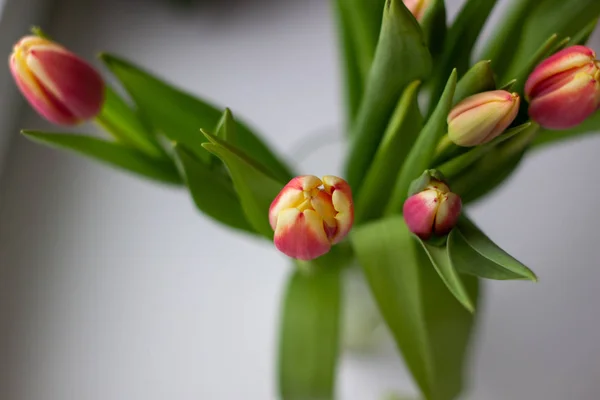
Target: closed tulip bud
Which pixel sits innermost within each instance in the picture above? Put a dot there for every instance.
(432, 211)
(564, 89)
(60, 86)
(417, 7)
(310, 215)
(480, 118)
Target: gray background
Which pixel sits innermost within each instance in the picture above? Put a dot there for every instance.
(116, 288)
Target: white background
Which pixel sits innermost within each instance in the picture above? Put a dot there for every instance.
(114, 288)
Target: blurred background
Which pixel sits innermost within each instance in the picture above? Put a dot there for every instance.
(115, 288)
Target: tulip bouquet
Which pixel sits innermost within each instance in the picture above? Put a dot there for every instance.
(430, 129)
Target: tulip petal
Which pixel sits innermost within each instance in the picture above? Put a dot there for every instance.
(301, 235)
(568, 105)
(289, 197)
(39, 98)
(419, 212)
(70, 79)
(565, 60)
(447, 214)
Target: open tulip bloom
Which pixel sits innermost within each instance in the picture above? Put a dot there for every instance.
(399, 210)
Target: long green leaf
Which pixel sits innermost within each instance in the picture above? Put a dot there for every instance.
(359, 23)
(114, 154)
(255, 188)
(500, 47)
(434, 27)
(212, 192)
(459, 43)
(449, 328)
(180, 116)
(443, 265)
(423, 151)
(400, 135)
(309, 334)
(472, 252)
(479, 78)
(385, 251)
(401, 57)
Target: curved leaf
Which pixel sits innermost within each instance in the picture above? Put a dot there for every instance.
(180, 116)
(472, 252)
(212, 192)
(255, 188)
(120, 120)
(110, 153)
(441, 261)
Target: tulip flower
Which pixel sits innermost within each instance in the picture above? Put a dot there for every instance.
(417, 7)
(480, 118)
(310, 215)
(60, 86)
(434, 210)
(564, 89)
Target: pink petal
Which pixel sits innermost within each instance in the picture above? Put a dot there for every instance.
(301, 235)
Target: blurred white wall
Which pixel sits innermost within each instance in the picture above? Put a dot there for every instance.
(115, 288)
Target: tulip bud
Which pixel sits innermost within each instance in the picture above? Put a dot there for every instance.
(60, 86)
(309, 215)
(480, 118)
(417, 7)
(432, 211)
(564, 89)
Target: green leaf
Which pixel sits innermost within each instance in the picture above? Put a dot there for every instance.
(225, 129)
(493, 169)
(434, 27)
(472, 252)
(400, 135)
(384, 249)
(479, 78)
(401, 57)
(508, 86)
(359, 23)
(423, 151)
(180, 116)
(443, 265)
(500, 47)
(460, 40)
(119, 119)
(584, 34)
(110, 153)
(460, 163)
(255, 188)
(564, 18)
(589, 126)
(521, 71)
(449, 328)
(212, 192)
(309, 334)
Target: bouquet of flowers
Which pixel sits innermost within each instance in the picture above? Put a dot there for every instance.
(430, 128)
